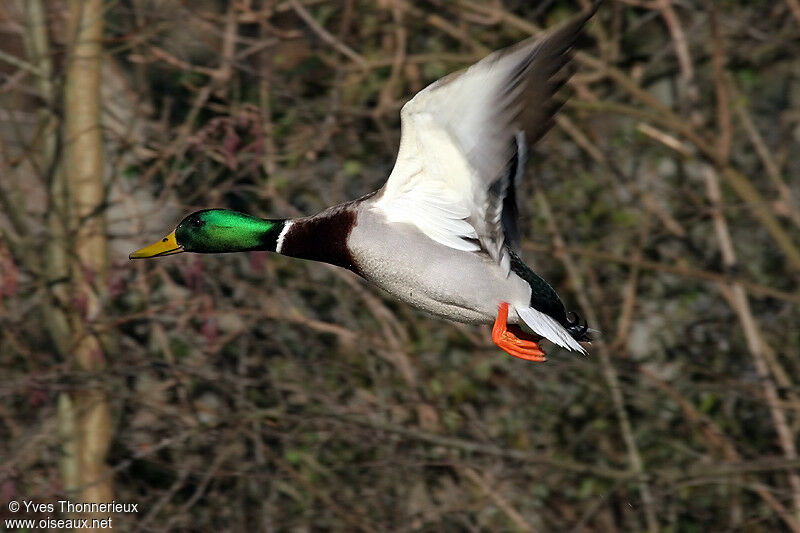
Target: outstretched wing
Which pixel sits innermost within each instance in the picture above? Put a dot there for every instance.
(459, 141)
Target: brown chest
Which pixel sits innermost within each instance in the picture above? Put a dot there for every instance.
(322, 238)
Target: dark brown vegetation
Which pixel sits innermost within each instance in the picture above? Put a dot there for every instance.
(246, 392)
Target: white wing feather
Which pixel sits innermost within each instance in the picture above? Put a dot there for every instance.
(431, 185)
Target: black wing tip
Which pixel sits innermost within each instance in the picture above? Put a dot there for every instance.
(574, 26)
(592, 9)
(577, 23)
(578, 329)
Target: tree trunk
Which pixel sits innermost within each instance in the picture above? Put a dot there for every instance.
(83, 151)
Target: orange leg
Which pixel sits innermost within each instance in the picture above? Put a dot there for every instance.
(512, 340)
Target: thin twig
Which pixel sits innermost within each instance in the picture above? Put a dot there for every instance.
(326, 36)
(752, 333)
(609, 372)
(752, 287)
(514, 515)
(715, 438)
(765, 154)
(794, 7)
(664, 138)
(721, 87)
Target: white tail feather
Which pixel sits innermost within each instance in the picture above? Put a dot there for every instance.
(547, 327)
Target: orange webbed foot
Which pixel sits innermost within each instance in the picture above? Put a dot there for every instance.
(512, 340)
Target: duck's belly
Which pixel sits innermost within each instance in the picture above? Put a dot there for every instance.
(453, 284)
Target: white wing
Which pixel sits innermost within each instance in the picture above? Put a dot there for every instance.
(458, 137)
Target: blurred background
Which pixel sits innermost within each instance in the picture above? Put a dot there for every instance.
(253, 392)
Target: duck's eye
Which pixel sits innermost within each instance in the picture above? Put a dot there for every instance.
(197, 222)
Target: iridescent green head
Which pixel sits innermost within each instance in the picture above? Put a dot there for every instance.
(216, 231)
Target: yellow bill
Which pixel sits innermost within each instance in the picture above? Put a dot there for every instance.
(166, 246)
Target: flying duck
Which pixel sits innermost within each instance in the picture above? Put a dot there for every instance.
(442, 233)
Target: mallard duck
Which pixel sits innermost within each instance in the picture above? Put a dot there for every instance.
(442, 233)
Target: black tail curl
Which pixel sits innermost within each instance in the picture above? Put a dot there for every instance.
(579, 332)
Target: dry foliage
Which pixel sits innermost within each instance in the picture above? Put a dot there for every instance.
(249, 392)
